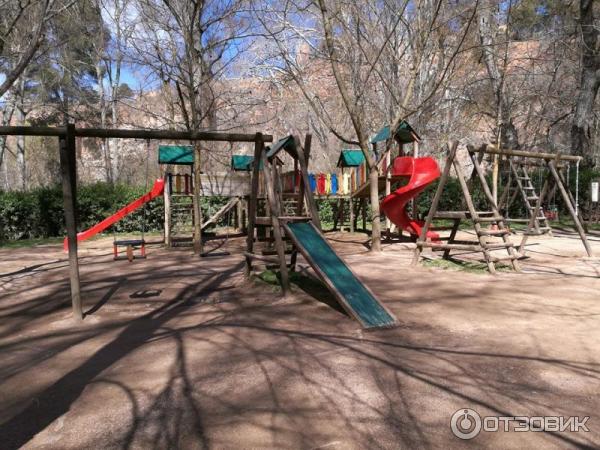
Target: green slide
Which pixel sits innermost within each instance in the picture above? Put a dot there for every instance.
(352, 294)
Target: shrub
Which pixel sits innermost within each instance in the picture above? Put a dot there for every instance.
(39, 213)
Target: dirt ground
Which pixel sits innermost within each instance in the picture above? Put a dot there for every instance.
(178, 351)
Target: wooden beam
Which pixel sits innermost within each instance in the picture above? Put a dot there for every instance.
(68, 171)
(525, 154)
(167, 203)
(303, 158)
(435, 202)
(275, 208)
(134, 134)
(253, 200)
(571, 208)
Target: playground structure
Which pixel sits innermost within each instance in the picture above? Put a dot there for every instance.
(266, 187)
(179, 194)
(67, 137)
(493, 216)
(304, 234)
(280, 209)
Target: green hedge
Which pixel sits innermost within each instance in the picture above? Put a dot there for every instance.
(39, 213)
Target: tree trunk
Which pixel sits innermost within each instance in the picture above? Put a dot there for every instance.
(103, 143)
(356, 117)
(582, 128)
(20, 108)
(506, 131)
(375, 214)
(7, 114)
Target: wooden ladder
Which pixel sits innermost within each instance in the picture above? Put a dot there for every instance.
(181, 210)
(487, 238)
(528, 194)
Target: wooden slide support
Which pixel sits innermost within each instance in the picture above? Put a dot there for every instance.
(221, 212)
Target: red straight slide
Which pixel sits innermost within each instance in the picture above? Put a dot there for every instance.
(422, 172)
(157, 190)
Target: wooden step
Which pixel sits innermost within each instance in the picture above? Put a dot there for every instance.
(501, 232)
(264, 221)
(499, 245)
(489, 219)
(294, 218)
(532, 197)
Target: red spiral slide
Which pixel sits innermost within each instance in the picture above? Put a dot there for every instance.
(422, 172)
(157, 190)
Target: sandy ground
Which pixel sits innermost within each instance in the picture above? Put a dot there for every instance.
(181, 352)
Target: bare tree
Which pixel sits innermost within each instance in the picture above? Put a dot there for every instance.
(378, 55)
(188, 45)
(589, 81)
(22, 28)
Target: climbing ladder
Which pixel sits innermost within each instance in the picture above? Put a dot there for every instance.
(181, 220)
(489, 226)
(528, 194)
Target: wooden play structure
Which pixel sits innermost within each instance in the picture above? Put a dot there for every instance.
(67, 137)
(488, 239)
(490, 226)
(301, 232)
(179, 194)
(354, 174)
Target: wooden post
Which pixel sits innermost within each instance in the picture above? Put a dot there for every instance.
(473, 212)
(196, 203)
(253, 201)
(239, 211)
(570, 207)
(435, 202)
(168, 215)
(303, 158)
(275, 207)
(351, 214)
(495, 173)
(363, 208)
(68, 170)
(452, 237)
(388, 185)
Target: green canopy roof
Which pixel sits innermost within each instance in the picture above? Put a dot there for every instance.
(176, 154)
(242, 162)
(284, 143)
(351, 158)
(404, 134)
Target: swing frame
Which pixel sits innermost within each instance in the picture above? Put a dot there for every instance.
(554, 175)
